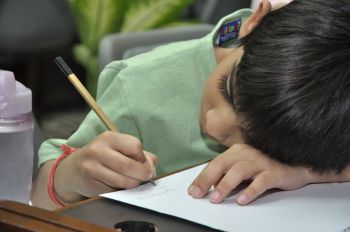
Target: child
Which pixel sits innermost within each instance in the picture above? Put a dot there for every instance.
(291, 91)
(158, 112)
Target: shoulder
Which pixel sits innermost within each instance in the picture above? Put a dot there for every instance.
(162, 62)
(165, 54)
(108, 75)
(159, 59)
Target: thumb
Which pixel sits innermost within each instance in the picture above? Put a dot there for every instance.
(151, 157)
(152, 161)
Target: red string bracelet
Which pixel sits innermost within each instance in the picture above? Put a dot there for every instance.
(67, 150)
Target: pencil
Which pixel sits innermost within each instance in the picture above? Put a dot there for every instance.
(87, 97)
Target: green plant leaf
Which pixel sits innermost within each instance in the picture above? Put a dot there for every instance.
(96, 18)
(147, 14)
(82, 54)
(92, 75)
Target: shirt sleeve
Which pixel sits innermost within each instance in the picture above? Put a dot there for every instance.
(111, 98)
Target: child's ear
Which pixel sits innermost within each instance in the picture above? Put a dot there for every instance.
(253, 20)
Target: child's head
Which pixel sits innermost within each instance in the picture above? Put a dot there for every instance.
(291, 88)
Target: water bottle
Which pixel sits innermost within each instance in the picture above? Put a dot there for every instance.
(16, 139)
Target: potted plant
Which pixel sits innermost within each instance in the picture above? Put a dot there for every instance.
(97, 18)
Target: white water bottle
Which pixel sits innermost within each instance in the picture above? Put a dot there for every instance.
(16, 139)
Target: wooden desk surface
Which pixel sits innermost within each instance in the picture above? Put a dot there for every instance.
(19, 217)
(107, 213)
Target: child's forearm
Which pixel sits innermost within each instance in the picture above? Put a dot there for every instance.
(40, 196)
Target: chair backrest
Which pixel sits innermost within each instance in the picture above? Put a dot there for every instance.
(211, 11)
(116, 46)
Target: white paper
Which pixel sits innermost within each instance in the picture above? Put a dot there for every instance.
(318, 207)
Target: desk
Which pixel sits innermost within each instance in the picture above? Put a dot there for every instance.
(107, 213)
(19, 217)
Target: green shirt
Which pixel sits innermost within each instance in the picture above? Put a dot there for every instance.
(156, 97)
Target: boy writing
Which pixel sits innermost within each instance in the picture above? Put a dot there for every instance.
(249, 104)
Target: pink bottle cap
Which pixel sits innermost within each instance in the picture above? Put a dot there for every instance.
(15, 98)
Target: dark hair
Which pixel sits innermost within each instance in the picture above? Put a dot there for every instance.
(292, 85)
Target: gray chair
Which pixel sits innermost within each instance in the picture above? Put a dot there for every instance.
(211, 11)
(124, 45)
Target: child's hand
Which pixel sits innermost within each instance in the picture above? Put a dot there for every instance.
(242, 162)
(109, 162)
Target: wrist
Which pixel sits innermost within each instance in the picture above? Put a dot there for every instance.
(59, 181)
(64, 183)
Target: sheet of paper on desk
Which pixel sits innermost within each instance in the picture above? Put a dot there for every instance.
(319, 207)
